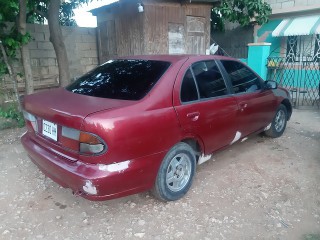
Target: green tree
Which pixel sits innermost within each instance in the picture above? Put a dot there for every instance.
(25, 53)
(8, 13)
(11, 40)
(58, 13)
(243, 12)
(20, 12)
(14, 38)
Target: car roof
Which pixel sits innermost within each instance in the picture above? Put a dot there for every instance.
(176, 58)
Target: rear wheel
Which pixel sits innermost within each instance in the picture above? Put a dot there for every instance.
(279, 123)
(176, 173)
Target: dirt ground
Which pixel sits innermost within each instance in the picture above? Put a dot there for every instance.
(260, 189)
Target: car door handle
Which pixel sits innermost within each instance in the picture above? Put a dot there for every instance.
(193, 116)
(243, 106)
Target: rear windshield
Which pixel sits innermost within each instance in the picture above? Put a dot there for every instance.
(120, 79)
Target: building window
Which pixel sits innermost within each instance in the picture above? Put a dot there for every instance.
(291, 48)
(303, 48)
(317, 49)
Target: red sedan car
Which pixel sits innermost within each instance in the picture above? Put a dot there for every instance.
(145, 122)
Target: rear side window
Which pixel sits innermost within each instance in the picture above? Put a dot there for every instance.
(188, 88)
(209, 79)
(242, 78)
(120, 79)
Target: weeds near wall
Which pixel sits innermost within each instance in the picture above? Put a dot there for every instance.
(13, 117)
(10, 115)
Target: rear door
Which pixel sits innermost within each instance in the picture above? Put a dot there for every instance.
(204, 105)
(256, 105)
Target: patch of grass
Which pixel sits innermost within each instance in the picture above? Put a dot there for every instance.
(312, 237)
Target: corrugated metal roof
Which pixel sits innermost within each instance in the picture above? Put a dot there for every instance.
(307, 25)
(116, 4)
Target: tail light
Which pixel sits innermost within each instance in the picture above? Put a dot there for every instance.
(90, 143)
(31, 121)
(82, 142)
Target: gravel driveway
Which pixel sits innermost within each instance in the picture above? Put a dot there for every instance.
(260, 189)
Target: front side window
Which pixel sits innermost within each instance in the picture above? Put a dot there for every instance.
(242, 78)
(120, 79)
(209, 79)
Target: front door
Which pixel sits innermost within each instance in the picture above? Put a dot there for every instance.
(256, 105)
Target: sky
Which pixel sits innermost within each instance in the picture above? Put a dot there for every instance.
(85, 18)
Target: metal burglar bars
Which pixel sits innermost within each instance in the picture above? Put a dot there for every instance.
(297, 68)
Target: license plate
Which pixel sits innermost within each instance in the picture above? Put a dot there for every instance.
(50, 130)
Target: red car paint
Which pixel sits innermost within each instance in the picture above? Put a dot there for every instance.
(138, 134)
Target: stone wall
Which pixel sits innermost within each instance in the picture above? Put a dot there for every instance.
(81, 44)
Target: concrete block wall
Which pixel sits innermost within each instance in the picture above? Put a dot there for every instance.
(81, 45)
(277, 5)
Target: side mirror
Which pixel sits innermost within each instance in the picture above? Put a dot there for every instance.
(270, 84)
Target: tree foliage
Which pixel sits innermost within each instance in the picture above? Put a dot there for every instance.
(8, 10)
(11, 39)
(243, 12)
(66, 15)
(37, 12)
(58, 13)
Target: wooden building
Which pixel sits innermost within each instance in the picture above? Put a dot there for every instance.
(135, 27)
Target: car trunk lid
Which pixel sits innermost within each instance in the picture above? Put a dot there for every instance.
(66, 108)
(58, 116)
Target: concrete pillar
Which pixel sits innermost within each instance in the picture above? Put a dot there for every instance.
(257, 57)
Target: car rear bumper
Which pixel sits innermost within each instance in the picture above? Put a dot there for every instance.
(95, 181)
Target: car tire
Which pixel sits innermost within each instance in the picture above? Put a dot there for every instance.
(176, 173)
(279, 123)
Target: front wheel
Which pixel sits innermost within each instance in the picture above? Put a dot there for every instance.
(176, 173)
(279, 122)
